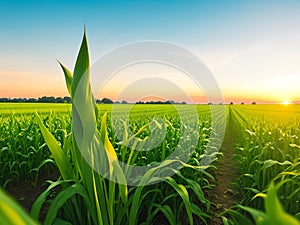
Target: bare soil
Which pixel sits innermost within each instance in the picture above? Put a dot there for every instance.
(223, 195)
(26, 192)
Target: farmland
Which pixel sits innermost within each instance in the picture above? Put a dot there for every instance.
(266, 149)
(149, 164)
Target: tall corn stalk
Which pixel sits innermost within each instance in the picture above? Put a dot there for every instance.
(88, 197)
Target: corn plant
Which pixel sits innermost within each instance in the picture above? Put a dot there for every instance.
(267, 150)
(275, 213)
(23, 153)
(87, 197)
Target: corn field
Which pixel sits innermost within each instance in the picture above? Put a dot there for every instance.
(40, 139)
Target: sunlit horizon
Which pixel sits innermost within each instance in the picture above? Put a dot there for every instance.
(251, 48)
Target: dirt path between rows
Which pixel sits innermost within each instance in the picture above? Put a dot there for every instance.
(223, 194)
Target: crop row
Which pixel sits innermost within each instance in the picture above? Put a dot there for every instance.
(267, 149)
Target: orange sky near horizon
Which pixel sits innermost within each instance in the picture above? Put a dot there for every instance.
(252, 48)
(233, 72)
(31, 85)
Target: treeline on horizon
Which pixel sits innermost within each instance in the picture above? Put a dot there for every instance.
(66, 99)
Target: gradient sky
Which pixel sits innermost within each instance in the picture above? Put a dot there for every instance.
(251, 47)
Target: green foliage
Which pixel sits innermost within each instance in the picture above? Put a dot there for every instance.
(11, 213)
(23, 152)
(268, 152)
(89, 198)
(274, 214)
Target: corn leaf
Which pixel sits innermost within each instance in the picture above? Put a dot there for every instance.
(62, 198)
(68, 77)
(11, 213)
(58, 154)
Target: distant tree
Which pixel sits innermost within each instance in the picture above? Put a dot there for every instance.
(253, 103)
(46, 99)
(106, 101)
(231, 103)
(59, 100)
(31, 100)
(123, 102)
(18, 100)
(117, 102)
(42, 99)
(183, 103)
(51, 99)
(242, 103)
(67, 99)
(170, 102)
(209, 103)
(4, 100)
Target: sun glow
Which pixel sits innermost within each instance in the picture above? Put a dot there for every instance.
(286, 102)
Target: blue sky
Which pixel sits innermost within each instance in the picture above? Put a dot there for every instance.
(251, 47)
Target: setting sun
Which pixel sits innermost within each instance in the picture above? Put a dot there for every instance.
(286, 102)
